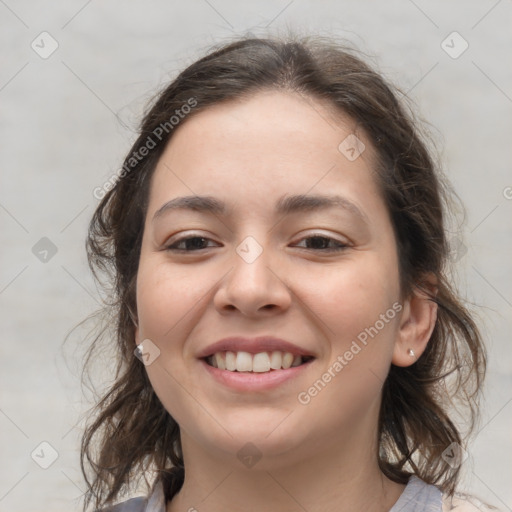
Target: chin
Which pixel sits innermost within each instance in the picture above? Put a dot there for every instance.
(271, 445)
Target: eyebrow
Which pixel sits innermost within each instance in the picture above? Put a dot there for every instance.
(284, 206)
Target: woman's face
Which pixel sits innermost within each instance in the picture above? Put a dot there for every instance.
(257, 269)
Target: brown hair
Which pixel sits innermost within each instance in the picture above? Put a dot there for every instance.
(132, 432)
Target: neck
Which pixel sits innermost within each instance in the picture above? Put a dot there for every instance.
(332, 480)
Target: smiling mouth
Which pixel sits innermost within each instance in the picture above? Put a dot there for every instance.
(261, 362)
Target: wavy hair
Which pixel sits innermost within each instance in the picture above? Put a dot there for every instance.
(131, 433)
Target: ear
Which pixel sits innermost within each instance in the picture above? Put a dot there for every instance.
(417, 322)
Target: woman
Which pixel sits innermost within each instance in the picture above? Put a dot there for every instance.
(287, 336)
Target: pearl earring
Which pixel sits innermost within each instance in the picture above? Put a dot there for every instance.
(411, 352)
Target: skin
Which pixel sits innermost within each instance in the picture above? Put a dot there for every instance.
(319, 456)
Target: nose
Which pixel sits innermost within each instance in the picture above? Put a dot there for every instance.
(255, 284)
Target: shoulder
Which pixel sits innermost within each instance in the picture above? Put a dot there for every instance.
(131, 505)
(155, 502)
(461, 502)
(419, 496)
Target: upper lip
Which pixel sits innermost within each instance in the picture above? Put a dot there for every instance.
(253, 346)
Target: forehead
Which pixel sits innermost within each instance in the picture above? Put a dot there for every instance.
(268, 119)
(261, 146)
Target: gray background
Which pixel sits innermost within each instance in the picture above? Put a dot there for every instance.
(69, 119)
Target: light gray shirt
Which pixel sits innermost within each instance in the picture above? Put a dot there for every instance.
(417, 496)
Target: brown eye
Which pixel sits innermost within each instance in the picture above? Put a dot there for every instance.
(189, 244)
(321, 243)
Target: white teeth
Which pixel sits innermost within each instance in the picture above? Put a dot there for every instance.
(276, 359)
(243, 362)
(221, 364)
(230, 361)
(259, 363)
(287, 360)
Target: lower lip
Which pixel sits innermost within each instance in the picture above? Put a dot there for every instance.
(254, 381)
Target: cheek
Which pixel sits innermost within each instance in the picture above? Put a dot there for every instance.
(354, 296)
(165, 298)
(359, 309)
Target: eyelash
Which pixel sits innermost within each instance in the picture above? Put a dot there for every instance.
(342, 246)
